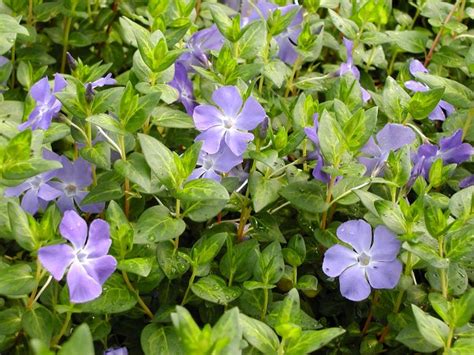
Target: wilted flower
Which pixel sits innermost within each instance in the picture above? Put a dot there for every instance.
(312, 134)
(391, 137)
(47, 105)
(348, 66)
(74, 178)
(451, 150)
(211, 165)
(199, 44)
(228, 124)
(184, 86)
(37, 190)
(371, 262)
(87, 259)
(437, 113)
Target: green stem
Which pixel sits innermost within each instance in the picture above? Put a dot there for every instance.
(13, 66)
(67, 29)
(392, 62)
(190, 284)
(38, 275)
(265, 304)
(30, 13)
(142, 304)
(289, 84)
(63, 330)
(328, 201)
(442, 272)
(450, 338)
(178, 215)
(295, 276)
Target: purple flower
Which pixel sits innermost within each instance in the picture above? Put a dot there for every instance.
(74, 178)
(199, 44)
(116, 351)
(211, 165)
(47, 105)
(451, 150)
(349, 67)
(312, 134)
(87, 264)
(37, 190)
(107, 80)
(228, 124)
(415, 86)
(184, 86)
(469, 181)
(390, 138)
(371, 262)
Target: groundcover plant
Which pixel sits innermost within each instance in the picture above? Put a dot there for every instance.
(236, 177)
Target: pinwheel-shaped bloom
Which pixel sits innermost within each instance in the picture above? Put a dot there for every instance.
(37, 190)
(212, 165)
(87, 264)
(47, 105)
(199, 44)
(184, 86)
(74, 178)
(451, 150)
(349, 67)
(368, 262)
(312, 134)
(390, 138)
(229, 123)
(443, 107)
(107, 80)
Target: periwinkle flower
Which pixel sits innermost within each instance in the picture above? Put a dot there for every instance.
(443, 109)
(107, 80)
(37, 191)
(74, 178)
(87, 264)
(47, 105)
(184, 86)
(212, 165)
(349, 67)
(391, 137)
(229, 123)
(199, 44)
(312, 134)
(466, 182)
(116, 351)
(451, 150)
(370, 262)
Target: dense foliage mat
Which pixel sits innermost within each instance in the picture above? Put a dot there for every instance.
(203, 177)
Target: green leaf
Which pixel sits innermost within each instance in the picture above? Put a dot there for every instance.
(229, 325)
(156, 224)
(136, 170)
(239, 260)
(455, 92)
(167, 117)
(312, 340)
(266, 228)
(270, 266)
(16, 280)
(99, 155)
(9, 25)
(308, 196)
(252, 42)
(157, 339)
(81, 338)
(461, 204)
(10, 320)
(188, 331)
(264, 190)
(26, 169)
(391, 215)
(105, 190)
(203, 199)
(107, 122)
(171, 262)
(161, 160)
(330, 140)
(432, 329)
(115, 298)
(409, 41)
(20, 226)
(395, 99)
(462, 346)
(138, 266)
(206, 248)
(411, 337)
(259, 335)
(347, 27)
(424, 102)
(358, 129)
(463, 309)
(38, 323)
(213, 288)
(427, 253)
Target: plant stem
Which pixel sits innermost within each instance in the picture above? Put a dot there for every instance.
(190, 284)
(142, 304)
(328, 200)
(63, 330)
(38, 276)
(440, 33)
(30, 13)
(442, 272)
(265, 304)
(392, 62)
(178, 215)
(67, 29)
(13, 66)
(289, 84)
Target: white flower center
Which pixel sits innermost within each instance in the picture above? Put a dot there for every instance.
(228, 122)
(364, 259)
(70, 190)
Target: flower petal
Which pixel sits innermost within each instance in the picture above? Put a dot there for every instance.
(16, 190)
(337, 259)
(226, 160)
(99, 241)
(56, 259)
(82, 287)
(211, 138)
(415, 86)
(207, 116)
(59, 82)
(48, 193)
(417, 67)
(237, 141)
(384, 274)
(385, 246)
(82, 173)
(100, 268)
(65, 203)
(30, 202)
(197, 173)
(74, 229)
(40, 91)
(211, 174)
(394, 136)
(353, 284)
(252, 114)
(228, 99)
(357, 233)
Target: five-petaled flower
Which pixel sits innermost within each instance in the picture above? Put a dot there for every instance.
(369, 262)
(198, 45)
(211, 165)
(312, 134)
(230, 123)
(391, 137)
(184, 86)
(87, 264)
(439, 111)
(47, 105)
